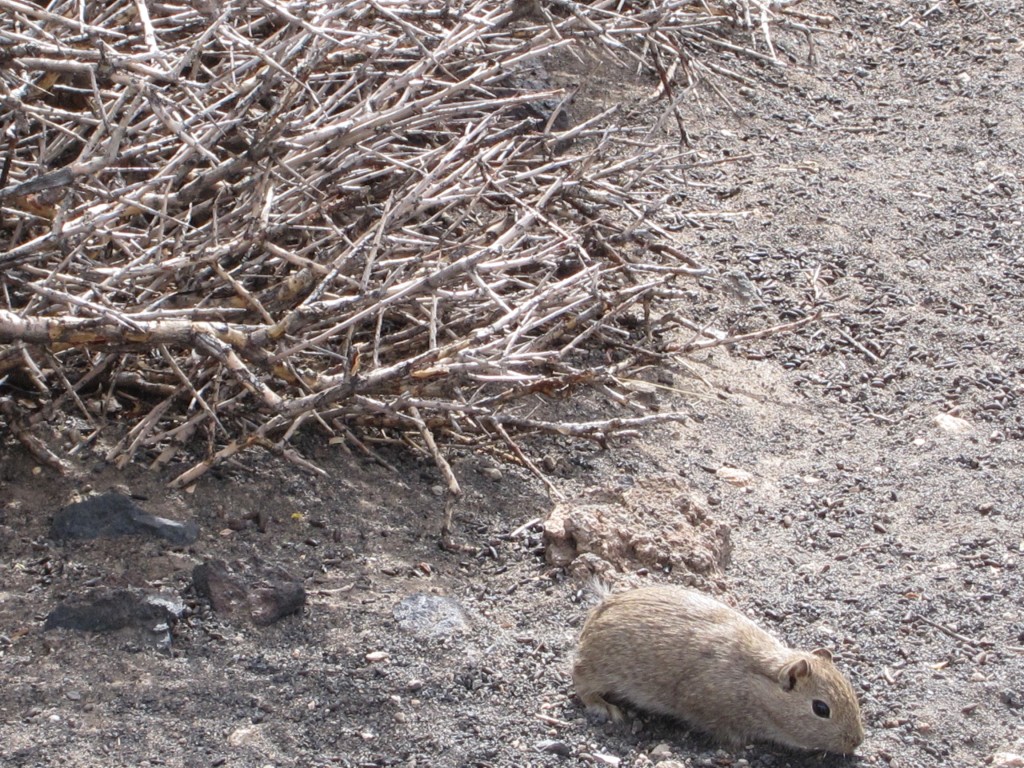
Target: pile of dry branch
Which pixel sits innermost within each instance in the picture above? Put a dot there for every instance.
(224, 220)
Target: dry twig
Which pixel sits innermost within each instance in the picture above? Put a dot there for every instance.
(231, 220)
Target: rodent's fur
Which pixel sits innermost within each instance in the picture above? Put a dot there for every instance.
(674, 651)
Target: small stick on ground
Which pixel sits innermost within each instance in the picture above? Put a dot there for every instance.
(955, 635)
(859, 347)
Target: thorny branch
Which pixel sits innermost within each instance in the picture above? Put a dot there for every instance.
(231, 219)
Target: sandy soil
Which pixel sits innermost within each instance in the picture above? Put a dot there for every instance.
(884, 185)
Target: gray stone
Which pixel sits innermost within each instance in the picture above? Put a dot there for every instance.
(430, 615)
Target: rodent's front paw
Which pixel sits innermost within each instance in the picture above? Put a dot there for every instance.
(604, 711)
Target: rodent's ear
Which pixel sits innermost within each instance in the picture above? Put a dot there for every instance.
(824, 653)
(793, 671)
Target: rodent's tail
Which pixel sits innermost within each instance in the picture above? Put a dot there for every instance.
(598, 588)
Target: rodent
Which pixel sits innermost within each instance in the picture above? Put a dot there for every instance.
(673, 651)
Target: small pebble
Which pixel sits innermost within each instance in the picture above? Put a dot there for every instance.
(491, 473)
(738, 477)
(376, 656)
(952, 424)
(1011, 698)
(242, 736)
(414, 685)
(553, 747)
(74, 695)
(661, 751)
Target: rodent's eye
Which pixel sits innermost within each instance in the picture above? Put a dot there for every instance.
(821, 708)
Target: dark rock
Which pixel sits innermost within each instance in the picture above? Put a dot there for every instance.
(112, 610)
(271, 601)
(214, 581)
(553, 747)
(114, 514)
(1011, 698)
(96, 612)
(430, 615)
(264, 594)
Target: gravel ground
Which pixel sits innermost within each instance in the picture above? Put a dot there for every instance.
(882, 518)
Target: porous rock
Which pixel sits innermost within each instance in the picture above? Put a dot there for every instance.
(262, 594)
(431, 615)
(270, 601)
(215, 581)
(656, 523)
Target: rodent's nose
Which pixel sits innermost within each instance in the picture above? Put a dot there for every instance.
(855, 740)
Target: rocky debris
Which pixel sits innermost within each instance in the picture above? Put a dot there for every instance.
(654, 524)
(114, 514)
(214, 581)
(1012, 699)
(661, 751)
(733, 476)
(264, 595)
(151, 616)
(272, 601)
(953, 424)
(430, 615)
(553, 747)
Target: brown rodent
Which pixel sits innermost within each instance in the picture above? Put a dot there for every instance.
(674, 651)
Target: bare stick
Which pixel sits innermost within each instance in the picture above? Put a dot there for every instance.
(759, 334)
(442, 463)
(34, 445)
